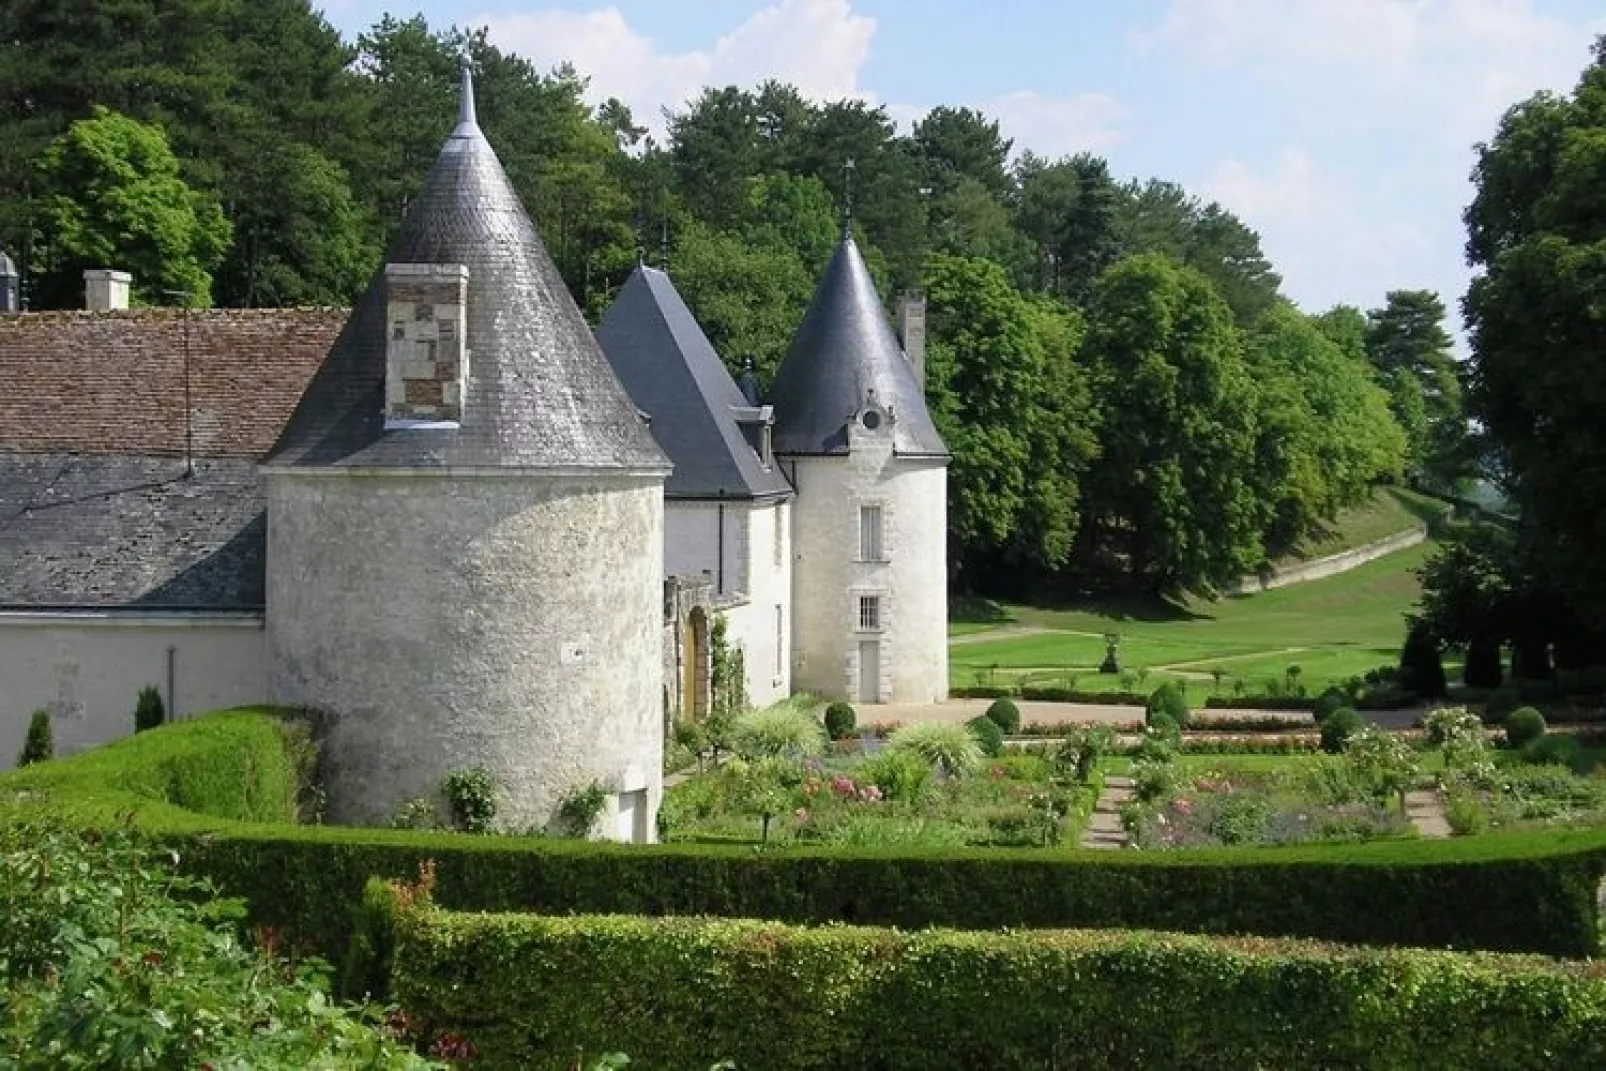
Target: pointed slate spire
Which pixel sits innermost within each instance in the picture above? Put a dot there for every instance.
(844, 354)
(699, 415)
(538, 392)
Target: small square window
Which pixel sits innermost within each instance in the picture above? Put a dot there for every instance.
(869, 613)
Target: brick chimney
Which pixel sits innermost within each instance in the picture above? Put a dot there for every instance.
(912, 330)
(106, 290)
(425, 356)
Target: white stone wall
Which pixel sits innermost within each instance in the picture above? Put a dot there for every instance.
(692, 542)
(506, 620)
(828, 578)
(752, 623)
(87, 670)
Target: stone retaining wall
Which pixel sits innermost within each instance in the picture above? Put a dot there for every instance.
(1342, 562)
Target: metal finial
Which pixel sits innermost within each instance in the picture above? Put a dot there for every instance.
(663, 244)
(466, 118)
(848, 169)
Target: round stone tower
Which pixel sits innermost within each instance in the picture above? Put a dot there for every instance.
(869, 523)
(465, 529)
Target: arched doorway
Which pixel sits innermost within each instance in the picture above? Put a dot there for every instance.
(694, 697)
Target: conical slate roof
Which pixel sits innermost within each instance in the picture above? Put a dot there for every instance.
(539, 393)
(844, 349)
(671, 370)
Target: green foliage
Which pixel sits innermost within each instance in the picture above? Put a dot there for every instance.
(987, 734)
(762, 787)
(840, 720)
(1329, 701)
(418, 813)
(782, 729)
(1421, 669)
(149, 710)
(727, 680)
(40, 743)
(1338, 727)
(1383, 761)
(902, 775)
(1500, 704)
(952, 748)
(781, 998)
(110, 959)
(1169, 701)
(471, 798)
(1524, 725)
(1532, 314)
(580, 808)
(1407, 343)
(116, 199)
(1005, 714)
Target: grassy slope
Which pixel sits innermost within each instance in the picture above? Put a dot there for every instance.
(1331, 628)
(1390, 510)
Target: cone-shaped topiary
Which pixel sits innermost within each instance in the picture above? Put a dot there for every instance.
(40, 743)
(840, 720)
(149, 710)
(988, 735)
(1006, 715)
(1421, 669)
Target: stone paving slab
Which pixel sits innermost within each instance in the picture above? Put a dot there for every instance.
(1104, 829)
(1425, 809)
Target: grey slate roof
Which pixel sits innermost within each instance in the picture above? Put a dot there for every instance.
(845, 348)
(671, 370)
(130, 532)
(540, 392)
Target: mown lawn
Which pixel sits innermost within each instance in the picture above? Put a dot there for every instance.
(1331, 629)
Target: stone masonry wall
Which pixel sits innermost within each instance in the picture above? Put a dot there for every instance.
(511, 621)
(113, 382)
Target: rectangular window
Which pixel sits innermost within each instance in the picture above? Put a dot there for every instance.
(869, 613)
(870, 548)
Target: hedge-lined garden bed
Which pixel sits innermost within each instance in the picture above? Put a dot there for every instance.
(531, 992)
(193, 785)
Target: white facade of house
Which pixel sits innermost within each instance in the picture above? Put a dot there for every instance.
(745, 546)
(892, 648)
(87, 668)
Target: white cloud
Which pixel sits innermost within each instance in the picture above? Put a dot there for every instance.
(820, 46)
(1058, 126)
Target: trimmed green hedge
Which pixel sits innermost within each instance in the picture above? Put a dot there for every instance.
(530, 992)
(1505, 892)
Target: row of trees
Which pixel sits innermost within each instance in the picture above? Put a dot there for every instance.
(1128, 396)
(1537, 386)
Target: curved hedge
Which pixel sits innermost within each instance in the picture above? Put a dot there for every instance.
(529, 992)
(1505, 892)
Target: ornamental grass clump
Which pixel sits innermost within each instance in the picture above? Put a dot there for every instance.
(950, 747)
(779, 730)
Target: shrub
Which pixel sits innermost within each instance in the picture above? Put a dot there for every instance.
(1169, 701)
(987, 734)
(783, 729)
(1329, 701)
(110, 959)
(840, 720)
(1501, 702)
(787, 998)
(1553, 749)
(40, 743)
(471, 798)
(902, 776)
(1006, 715)
(1524, 725)
(419, 813)
(580, 808)
(952, 747)
(983, 691)
(1482, 668)
(1340, 725)
(149, 710)
(1421, 669)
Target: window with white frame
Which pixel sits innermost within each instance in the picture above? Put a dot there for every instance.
(869, 613)
(870, 545)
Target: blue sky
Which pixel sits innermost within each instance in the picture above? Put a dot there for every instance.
(1342, 130)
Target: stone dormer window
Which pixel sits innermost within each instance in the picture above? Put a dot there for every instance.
(757, 422)
(426, 356)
